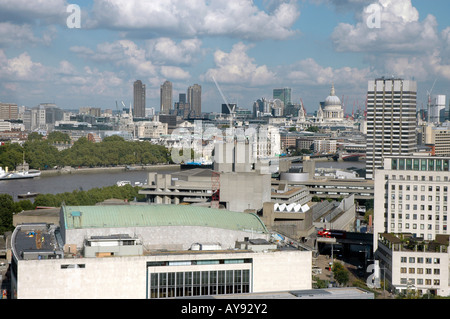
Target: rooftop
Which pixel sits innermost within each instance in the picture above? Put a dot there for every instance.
(36, 241)
(406, 242)
(112, 216)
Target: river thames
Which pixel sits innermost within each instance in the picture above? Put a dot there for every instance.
(78, 180)
(85, 180)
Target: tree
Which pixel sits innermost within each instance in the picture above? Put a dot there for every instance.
(314, 129)
(340, 273)
(6, 213)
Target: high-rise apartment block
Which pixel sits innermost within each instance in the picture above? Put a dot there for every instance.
(391, 120)
(139, 99)
(166, 98)
(195, 100)
(9, 111)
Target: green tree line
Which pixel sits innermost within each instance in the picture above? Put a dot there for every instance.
(112, 151)
(8, 207)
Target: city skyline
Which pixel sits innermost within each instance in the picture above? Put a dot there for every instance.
(249, 47)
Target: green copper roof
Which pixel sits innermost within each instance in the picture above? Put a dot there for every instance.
(114, 216)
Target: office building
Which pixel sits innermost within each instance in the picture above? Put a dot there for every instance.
(139, 99)
(194, 96)
(284, 95)
(411, 195)
(411, 234)
(9, 111)
(182, 108)
(437, 107)
(166, 98)
(391, 120)
(437, 138)
(410, 265)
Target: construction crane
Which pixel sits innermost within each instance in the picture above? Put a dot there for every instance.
(230, 109)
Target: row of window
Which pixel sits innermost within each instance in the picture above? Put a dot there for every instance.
(421, 227)
(199, 283)
(437, 208)
(416, 178)
(423, 188)
(420, 281)
(420, 260)
(414, 217)
(423, 164)
(420, 271)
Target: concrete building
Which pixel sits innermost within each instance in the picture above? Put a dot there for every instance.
(325, 146)
(437, 137)
(391, 120)
(139, 99)
(150, 129)
(194, 96)
(166, 98)
(410, 217)
(154, 251)
(411, 265)
(244, 183)
(9, 111)
(326, 186)
(411, 195)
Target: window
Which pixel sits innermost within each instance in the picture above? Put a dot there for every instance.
(199, 283)
(73, 266)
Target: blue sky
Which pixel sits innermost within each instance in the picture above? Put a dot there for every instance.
(249, 47)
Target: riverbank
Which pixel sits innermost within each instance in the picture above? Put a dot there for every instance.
(84, 170)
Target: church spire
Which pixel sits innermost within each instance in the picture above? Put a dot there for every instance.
(333, 92)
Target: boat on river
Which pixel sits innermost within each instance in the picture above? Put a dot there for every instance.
(5, 175)
(27, 195)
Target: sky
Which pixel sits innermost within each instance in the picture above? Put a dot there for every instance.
(51, 52)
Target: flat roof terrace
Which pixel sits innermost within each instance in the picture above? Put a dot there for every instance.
(36, 241)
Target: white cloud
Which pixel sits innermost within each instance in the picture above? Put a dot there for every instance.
(237, 67)
(240, 19)
(136, 61)
(122, 53)
(400, 30)
(21, 68)
(165, 50)
(309, 72)
(174, 73)
(25, 11)
(13, 35)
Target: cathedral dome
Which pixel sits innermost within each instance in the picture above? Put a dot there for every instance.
(332, 99)
(332, 108)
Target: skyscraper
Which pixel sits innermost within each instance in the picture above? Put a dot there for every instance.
(283, 95)
(166, 97)
(139, 99)
(195, 100)
(391, 122)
